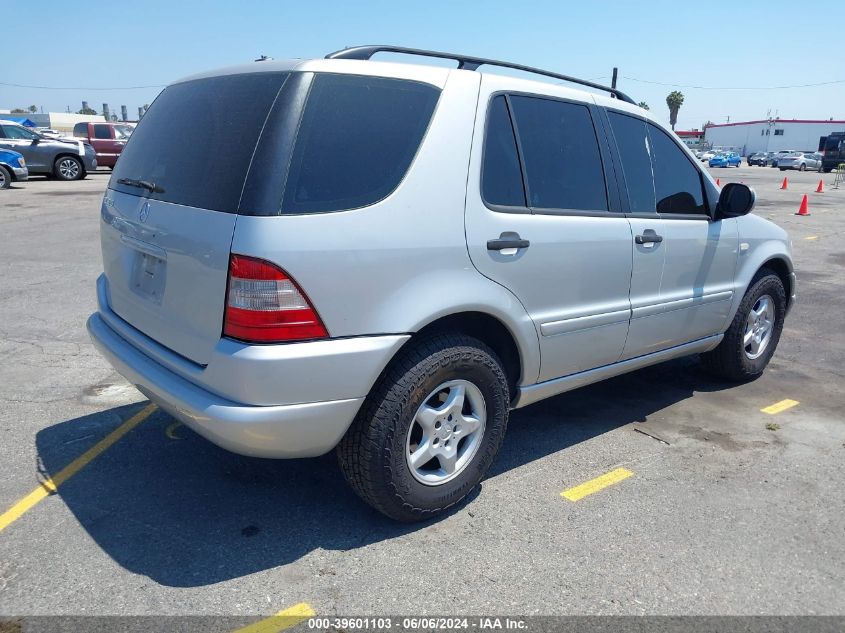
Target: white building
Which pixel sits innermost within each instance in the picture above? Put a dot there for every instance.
(771, 135)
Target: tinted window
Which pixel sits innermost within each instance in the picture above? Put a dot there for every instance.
(561, 153)
(102, 131)
(357, 138)
(197, 139)
(677, 183)
(501, 175)
(635, 152)
(80, 130)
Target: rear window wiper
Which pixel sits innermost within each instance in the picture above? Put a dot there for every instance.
(141, 184)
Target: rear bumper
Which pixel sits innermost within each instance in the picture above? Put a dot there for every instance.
(284, 431)
(291, 400)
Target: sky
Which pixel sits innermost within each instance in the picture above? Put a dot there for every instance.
(749, 47)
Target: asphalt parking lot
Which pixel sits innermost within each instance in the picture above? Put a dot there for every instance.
(722, 507)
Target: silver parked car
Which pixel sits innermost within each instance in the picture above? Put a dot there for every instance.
(384, 259)
(800, 161)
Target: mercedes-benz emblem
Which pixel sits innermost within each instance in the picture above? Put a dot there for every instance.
(144, 213)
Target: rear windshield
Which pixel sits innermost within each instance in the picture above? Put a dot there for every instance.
(197, 139)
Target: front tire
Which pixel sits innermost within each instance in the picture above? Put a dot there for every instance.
(430, 428)
(68, 168)
(5, 178)
(754, 333)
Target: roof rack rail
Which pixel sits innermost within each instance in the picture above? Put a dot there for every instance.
(468, 63)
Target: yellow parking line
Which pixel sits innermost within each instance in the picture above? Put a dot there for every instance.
(51, 484)
(777, 407)
(281, 621)
(812, 237)
(594, 485)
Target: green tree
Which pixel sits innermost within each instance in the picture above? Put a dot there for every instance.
(87, 111)
(674, 100)
(33, 109)
(18, 111)
(643, 105)
(706, 123)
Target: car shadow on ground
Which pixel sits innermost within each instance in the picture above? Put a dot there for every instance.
(165, 503)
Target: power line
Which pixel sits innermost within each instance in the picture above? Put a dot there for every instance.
(75, 88)
(673, 85)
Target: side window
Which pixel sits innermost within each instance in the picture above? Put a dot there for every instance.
(501, 175)
(102, 131)
(561, 153)
(635, 152)
(13, 131)
(356, 141)
(677, 183)
(80, 130)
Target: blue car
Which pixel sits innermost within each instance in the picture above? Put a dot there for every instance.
(726, 159)
(12, 168)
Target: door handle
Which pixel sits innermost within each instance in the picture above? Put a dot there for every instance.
(506, 240)
(648, 237)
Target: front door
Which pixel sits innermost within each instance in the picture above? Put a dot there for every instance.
(684, 263)
(541, 221)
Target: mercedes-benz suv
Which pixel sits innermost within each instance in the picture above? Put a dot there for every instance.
(393, 256)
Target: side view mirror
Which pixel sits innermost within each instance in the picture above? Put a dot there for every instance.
(735, 200)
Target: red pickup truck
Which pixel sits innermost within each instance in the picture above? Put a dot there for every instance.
(107, 139)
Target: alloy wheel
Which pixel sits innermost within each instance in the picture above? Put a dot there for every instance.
(446, 432)
(759, 327)
(68, 168)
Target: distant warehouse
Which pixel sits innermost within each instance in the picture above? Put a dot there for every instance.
(771, 135)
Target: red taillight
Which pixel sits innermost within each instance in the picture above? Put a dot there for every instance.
(265, 305)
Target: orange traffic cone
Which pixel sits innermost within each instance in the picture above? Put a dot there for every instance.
(803, 210)
(785, 184)
(820, 188)
(718, 182)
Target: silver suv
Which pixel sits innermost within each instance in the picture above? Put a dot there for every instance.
(386, 258)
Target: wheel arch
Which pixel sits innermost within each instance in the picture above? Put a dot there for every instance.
(489, 330)
(783, 269)
(772, 252)
(64, 153)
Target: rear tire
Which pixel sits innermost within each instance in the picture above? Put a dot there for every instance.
(5, 178)
(68, 168)
(802, 167)
(749, 344)
(408, 413)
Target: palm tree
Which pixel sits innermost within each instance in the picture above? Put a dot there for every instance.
(33, 109)
(674, 100)
(643, 105)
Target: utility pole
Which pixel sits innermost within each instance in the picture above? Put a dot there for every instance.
(613, 80)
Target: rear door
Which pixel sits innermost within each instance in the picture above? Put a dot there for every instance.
(542, 219)
(104, 143)
(166, 251)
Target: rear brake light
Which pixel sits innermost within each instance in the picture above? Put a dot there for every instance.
(264, 304)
